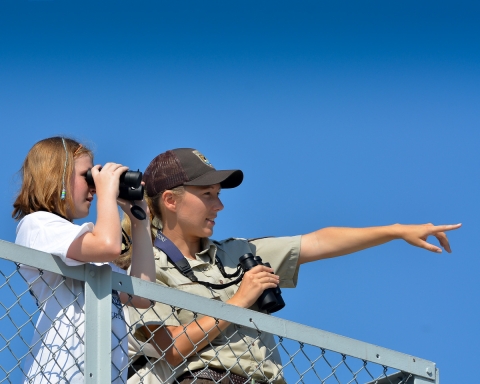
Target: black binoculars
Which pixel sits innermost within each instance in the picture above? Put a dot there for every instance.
(271, 299)
(130, 189)
(130, 184)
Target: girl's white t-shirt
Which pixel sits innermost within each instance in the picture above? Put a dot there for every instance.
(57, 349)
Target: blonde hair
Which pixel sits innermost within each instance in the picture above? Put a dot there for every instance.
(154, 206)
(47, 169)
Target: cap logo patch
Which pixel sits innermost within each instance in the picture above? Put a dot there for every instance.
(203, 158)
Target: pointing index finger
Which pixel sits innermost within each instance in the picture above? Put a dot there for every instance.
(444, 228)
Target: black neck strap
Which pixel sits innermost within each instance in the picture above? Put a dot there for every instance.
(176, 257)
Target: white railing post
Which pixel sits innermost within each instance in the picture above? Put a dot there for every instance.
(98, 324)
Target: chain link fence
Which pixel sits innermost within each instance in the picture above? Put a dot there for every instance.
(85, 344)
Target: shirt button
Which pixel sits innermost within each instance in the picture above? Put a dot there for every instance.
(221, 281)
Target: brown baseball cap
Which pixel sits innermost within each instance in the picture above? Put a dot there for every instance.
(186, 166)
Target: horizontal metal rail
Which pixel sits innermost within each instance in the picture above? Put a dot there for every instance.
(266, 323)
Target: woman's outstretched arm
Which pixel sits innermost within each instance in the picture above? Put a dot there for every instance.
(338, 241)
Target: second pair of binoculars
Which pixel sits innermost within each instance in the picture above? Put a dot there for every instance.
(271, 299)
(130, 184)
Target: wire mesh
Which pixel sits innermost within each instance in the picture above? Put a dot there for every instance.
(22, 336)
(301, 363)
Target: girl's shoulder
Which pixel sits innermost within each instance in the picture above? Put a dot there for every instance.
(34, 222)
(46, 231)
(42, 217)
(40, 220)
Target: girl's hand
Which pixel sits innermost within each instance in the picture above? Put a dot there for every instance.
(417, 235)
(254, 282)
(107, 180)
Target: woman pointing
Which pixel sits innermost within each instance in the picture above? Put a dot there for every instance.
(183, 193)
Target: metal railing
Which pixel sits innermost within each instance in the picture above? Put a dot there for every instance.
(308, 355)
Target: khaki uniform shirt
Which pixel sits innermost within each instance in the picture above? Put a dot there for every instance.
(241, 350)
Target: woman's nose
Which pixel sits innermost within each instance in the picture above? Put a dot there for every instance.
(219, 205)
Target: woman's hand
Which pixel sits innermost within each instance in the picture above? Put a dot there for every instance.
(254, 282)
(126, 206)
(417, 235)
(191, 338)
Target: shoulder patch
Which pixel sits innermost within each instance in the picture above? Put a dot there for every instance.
(259, 238)
(219, 242)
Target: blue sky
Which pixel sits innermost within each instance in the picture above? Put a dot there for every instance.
(340, 114)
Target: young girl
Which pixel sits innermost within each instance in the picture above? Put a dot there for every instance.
(54, 192)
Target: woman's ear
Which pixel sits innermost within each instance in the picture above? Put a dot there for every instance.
(169, 201)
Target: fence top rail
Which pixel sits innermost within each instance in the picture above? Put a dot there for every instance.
(244, 317)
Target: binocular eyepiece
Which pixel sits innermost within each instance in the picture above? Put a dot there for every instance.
(271, 299)
(130, 189)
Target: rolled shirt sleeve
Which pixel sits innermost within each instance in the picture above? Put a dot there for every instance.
(282, 253)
